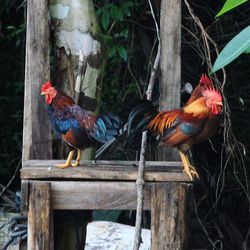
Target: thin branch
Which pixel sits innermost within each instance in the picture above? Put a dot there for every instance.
(12, 178)
(140, 178)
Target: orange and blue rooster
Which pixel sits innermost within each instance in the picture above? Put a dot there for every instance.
(78, 127)
(196, 121)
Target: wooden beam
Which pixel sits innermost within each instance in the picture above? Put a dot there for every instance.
(40, 234)
(37, 169)
(168, 216)
(96, 195)
(37, 142)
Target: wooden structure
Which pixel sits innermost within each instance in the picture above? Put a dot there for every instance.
(104, 185)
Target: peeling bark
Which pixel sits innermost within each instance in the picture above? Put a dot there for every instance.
(76, 29)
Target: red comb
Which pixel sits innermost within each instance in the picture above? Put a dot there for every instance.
(205, 80)
(212, 92)
(46, 86)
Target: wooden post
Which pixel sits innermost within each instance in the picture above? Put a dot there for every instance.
(170, 65)
(168, 209)
(37, 143)
(40, 233)
(168, 216)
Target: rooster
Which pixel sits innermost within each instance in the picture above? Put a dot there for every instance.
(184, 127)
(78, 127)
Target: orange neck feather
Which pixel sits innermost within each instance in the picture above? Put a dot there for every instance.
(198, 108)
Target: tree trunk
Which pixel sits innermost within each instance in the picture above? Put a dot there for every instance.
(76, 29)
(76, 32)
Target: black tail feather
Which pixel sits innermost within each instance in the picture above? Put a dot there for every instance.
(140, 116)
(138, 120)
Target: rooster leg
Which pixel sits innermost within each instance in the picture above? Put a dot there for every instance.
(188, 168)
(77, 163)
(68, 161)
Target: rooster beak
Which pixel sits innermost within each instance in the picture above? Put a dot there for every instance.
(43, 93)
(219, 103)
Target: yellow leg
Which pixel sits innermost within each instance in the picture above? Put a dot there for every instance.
(78, 158)
(68, 161)
(188, 168)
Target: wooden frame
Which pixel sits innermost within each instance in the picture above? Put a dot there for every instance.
(98, 185)
(104, 185)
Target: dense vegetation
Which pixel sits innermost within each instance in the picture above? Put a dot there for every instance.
(220, 215)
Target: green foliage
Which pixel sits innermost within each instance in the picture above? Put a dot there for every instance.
(229, 5)
(111, 14)
(12, 38)
(114, 13)
(238, 45)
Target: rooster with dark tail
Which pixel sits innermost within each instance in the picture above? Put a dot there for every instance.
(184, 127)
(78, 127)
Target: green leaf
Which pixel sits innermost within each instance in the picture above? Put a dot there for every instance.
(238, 45)
(99, 12)
(123, 53)
(125, 7)
(116, 13)
(112, 51)
(105, 20)
(229, 5)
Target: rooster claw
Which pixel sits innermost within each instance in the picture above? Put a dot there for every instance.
(77, 163)
(192, 173)
(64, 165)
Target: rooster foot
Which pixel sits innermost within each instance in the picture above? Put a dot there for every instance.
(77, 163)
(192, 173)
(67, 164)
(64, 165)
(188, 167)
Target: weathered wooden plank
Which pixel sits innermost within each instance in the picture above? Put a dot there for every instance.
(103, 170)
(97, 195)
(170, 65)
(39, 216)
(37, 142)
(24, 197)
(101, 163)
(168, 215)
(24, 208)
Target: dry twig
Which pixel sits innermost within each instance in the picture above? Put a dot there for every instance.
(12, 178)
(140, 178)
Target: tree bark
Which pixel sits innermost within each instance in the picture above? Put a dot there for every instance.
(76, 32)
(76, 29)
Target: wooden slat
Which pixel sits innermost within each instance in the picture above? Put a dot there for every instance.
(39, 216)
(96, 195)
(101, 163)
(47, 170)
(168, 216)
